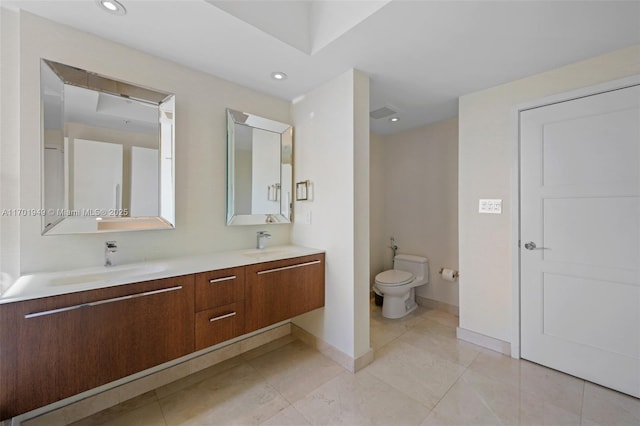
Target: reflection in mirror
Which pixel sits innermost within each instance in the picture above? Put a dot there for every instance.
(259, 170)
(107, 153)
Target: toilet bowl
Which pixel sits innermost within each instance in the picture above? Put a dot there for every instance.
(398, 285)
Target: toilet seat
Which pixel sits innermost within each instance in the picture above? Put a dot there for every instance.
(394, 277)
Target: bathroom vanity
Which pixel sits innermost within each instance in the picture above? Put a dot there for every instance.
(66, 343)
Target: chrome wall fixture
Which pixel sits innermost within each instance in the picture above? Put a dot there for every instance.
(303, 190)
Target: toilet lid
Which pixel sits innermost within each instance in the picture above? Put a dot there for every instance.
(394, 277)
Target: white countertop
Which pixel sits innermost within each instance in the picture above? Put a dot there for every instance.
(45, 284)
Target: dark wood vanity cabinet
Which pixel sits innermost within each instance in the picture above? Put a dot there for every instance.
(219, 306)
(59, 346)
(56, 347)
(276, 291)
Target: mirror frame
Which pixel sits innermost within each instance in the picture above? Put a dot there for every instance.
(91, 223)
(286, 149)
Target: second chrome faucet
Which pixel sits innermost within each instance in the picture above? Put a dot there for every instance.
(260, 237)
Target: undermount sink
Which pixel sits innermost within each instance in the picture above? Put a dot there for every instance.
(269, 251)
(45, 284)
(107, 274)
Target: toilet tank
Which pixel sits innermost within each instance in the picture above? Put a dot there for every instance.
(417, 265)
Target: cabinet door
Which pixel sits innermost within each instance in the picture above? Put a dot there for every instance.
(8, 360)
(67, 344)
(276, 291)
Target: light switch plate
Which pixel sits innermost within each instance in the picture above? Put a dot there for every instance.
(492, 206)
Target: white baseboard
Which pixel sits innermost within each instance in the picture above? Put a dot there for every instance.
(347, 362)
(484, 341)
(436, 304)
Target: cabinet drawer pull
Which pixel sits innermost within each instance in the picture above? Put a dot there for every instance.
(101, 302)
(217, 280)
(299, 265)
(222, 317)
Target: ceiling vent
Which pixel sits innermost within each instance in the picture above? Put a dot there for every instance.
(382, 112)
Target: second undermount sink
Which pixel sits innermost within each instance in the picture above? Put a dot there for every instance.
(269, 251)
(113, 273)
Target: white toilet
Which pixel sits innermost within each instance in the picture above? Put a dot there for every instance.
(398, 285)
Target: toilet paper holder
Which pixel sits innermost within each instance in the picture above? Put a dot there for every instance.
(456, 274)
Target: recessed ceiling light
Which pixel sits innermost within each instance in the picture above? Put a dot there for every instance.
(394, 119)
(278, 75)
(112, 6)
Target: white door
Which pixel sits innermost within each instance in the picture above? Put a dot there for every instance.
(97, 176)
(580, 207)
(144, 182)
(54, 183)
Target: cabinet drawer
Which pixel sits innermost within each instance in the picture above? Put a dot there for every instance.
(219, 288)
(219, 324)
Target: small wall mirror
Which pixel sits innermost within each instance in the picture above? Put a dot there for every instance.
(259, 170)
(108, 153)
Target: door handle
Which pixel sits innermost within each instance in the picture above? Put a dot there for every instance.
(532, 246)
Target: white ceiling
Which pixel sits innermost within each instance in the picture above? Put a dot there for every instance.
(421, 55)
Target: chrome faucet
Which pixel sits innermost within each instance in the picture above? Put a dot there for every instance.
(261, 235)
(109, 247)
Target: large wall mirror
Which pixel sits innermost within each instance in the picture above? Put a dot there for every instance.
(107, 153)
(259, 170)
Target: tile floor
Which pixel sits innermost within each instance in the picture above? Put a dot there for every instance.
(421, 375)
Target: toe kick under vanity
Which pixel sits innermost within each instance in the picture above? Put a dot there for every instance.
(61, 335)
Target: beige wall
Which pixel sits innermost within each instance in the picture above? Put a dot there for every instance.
(380, 253)
(488, 137)
(332, 151)
(9, 147)
(417, 173)
(201, 100)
